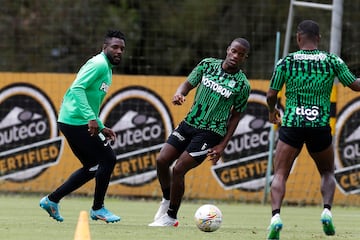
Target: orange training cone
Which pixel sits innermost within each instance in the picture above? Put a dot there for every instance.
(82, 231)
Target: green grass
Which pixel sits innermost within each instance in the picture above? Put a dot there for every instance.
(22, 218)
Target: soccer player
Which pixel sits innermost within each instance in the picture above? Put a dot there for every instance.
(86, 134)
(308, 75)
(221, 96)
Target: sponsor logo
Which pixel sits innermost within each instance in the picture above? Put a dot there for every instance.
(29, 138)
(314, 57)
(178, 135)
(104, 87)
(309, 113)
(216, 87)
(244, 162)
(204, 146)
(347, 148)
(142, 124)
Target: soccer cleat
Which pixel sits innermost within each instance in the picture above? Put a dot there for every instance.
(165, 221)
(275, 228)
(104, 215)
(327, 223)
(52, 208)
(164, 206)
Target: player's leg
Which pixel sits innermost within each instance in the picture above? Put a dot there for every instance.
(287, 149)
(166, 158)
(106, 159)
(80, 142)
(78, 139)
(325, 164)
(171, 150)
(184, 164)
(321, 150)
(194, 155)
(106, 162)
(168, 154)
(284, 158)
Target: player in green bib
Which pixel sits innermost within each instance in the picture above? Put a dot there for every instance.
(308, 75)
(222, 91)
(86, 134)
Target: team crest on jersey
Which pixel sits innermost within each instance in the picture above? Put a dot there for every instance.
(142, 124)
(29, 138)
(347, 148)
(231, 83)
(104, 87)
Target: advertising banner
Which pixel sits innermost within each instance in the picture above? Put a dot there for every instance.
(35, 157)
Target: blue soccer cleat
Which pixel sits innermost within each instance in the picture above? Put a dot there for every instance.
(51, 208)
(104, 215)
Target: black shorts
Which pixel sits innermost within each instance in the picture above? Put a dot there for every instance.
(90, 150)
(316, 139)
(195, 141)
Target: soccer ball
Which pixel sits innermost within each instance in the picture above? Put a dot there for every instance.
(208, 218)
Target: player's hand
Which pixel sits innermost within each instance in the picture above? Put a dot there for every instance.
(214, 154)
(178, 99)
(93, 127)
(274, 117)
(109, 134)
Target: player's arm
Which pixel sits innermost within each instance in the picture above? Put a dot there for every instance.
(345, 76)
(276, 83)
(232, 124)
(85, 78)
(191, 82)
(181, 93)
(355, 86)
(271, 99)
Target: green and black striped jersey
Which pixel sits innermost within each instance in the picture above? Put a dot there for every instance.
(217, 93)
(308, 76)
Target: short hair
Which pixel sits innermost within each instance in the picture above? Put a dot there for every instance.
(309, 27)
(243, 42)
(113, 34)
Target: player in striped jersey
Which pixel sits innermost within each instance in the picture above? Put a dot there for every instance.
(308, 75)
(221, 96)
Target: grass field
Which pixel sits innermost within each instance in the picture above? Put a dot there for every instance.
(22, 218)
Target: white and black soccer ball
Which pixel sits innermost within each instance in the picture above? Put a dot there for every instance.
(208, 218)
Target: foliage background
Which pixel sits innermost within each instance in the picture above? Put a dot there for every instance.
(164, 37)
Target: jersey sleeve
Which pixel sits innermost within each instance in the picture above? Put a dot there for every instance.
(196, 74)
(345, 76)
(278, 77)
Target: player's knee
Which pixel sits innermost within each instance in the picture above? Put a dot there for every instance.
(163, 162)
(178, 171)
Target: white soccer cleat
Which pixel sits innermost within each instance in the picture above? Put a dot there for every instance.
(165, 221)
(164, 206)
